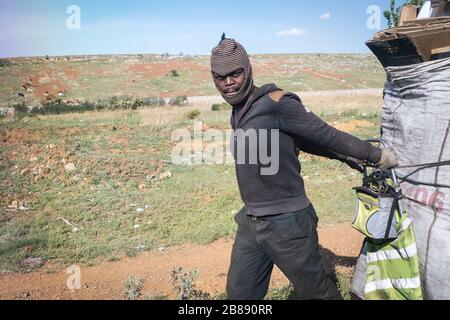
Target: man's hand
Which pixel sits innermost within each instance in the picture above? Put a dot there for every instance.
(388, 159)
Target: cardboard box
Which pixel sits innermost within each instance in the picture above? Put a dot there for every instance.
(427, 22)
(432, 9)
(409, 12)
(395, 52)
(440, 53)
(416, 41)
(427, 40)
(414, 25)
(440, 9)
(446, 11)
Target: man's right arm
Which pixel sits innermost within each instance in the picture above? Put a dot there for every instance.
(314, 150)
(296, 120)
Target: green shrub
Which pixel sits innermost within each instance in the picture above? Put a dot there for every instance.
(132, 288)
(174, 73)
(5, 63)
(183, 284)
(352, 113)
(154, 102)
(119, 103)
(221, 106)
(179, 101)
(20, 108)
(58, 106)
(194, 114)
(127, 103)
(284, 293)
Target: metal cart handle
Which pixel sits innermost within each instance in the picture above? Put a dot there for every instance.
(393, 173)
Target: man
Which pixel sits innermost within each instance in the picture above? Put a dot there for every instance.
(278, 224)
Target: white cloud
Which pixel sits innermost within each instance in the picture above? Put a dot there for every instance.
(292, 33)
(325, 16)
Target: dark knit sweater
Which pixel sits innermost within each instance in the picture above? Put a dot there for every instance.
(299, 129)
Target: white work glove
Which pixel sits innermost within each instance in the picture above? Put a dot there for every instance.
(388, 159)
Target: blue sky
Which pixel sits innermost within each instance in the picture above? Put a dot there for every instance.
(33, 27)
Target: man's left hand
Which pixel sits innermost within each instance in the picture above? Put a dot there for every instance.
(388, 159)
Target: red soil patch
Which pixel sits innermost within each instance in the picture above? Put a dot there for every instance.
(72, 73)
(100, 73)
(19, 136)
(326, 75)
(160, 69)
(47, 82)
(53, 90)
(271, 68)
(352, 125)
(106, 281)
(52, 81)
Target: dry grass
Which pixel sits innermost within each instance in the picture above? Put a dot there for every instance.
(336, 105)
(166, 115)
(119, 157)
(149, 76)
(100, 115)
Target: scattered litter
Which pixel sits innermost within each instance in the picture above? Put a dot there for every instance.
(33, 262)
(165, 175)
(67, 222)
(140, 210)
(23, 207)
(70, 167)
(17, 206)
(14, 205)
(136, 226)
(25, 172)
(161, 249)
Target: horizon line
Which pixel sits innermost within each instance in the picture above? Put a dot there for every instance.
(177, 55)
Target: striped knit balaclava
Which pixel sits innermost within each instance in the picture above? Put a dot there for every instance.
(228, 57)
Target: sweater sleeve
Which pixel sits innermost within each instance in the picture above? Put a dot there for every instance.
(295, 119)
(314, 150)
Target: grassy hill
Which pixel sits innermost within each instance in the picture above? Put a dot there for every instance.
(89, 78)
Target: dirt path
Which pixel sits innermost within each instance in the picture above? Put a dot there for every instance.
(341, 245)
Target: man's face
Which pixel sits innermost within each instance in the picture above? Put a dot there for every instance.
(229, 85)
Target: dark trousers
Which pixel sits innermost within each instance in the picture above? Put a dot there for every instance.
(290, 241)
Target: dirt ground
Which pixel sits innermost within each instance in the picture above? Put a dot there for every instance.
(340, 248)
